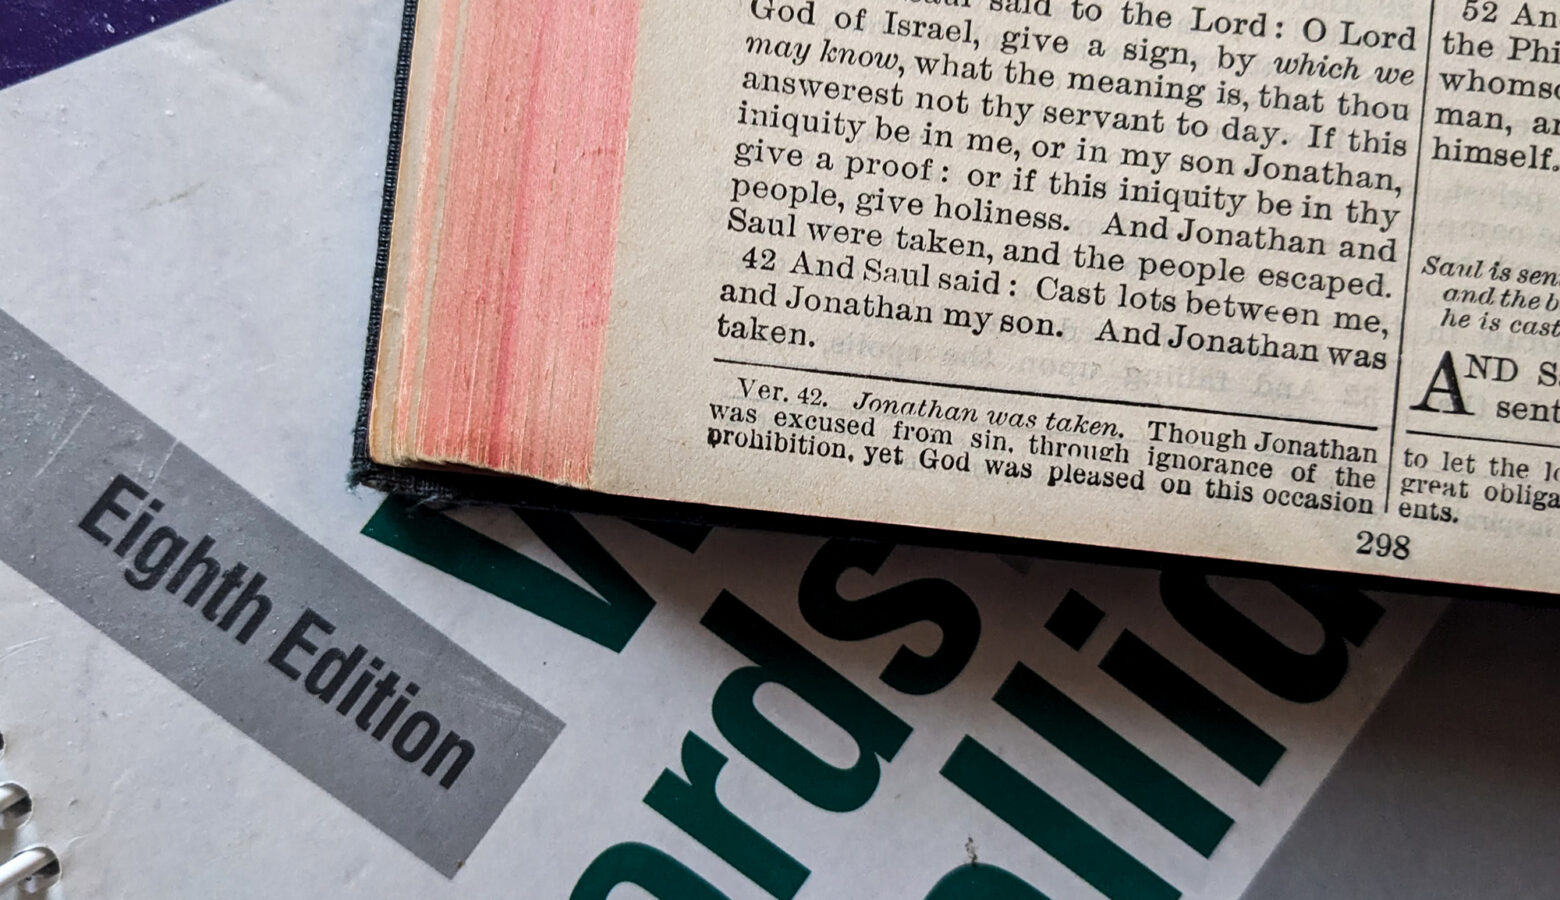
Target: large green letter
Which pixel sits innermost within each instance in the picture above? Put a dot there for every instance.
(981, 882)
(692, 806)
(922, 600)
(647, 867)
(782, 661)
(436, 539)
(1346, 617)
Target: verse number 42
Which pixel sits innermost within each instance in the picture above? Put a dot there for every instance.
(759, 259)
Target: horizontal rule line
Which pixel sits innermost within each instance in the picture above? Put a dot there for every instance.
(1046, 396)
(1484, 440)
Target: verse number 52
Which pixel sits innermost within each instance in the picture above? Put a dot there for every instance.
(1479, 11)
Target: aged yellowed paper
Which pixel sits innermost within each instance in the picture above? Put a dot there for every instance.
(1269, 282)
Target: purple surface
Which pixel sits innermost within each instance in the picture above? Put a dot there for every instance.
(39, 35)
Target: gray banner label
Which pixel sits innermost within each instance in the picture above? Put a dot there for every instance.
(187, 570)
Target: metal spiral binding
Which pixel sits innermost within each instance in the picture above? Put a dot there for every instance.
(32, 869)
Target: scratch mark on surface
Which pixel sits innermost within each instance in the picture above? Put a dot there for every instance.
(15, 648)
(176, 197)
(157, 473)
(60, 447)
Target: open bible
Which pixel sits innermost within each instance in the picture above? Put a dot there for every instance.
(1261, 282)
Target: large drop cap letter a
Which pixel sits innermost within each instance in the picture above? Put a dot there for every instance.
(1444, 381)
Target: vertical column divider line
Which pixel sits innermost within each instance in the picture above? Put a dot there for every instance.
(1408, 265)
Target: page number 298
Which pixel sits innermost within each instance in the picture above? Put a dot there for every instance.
(1382, 544)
